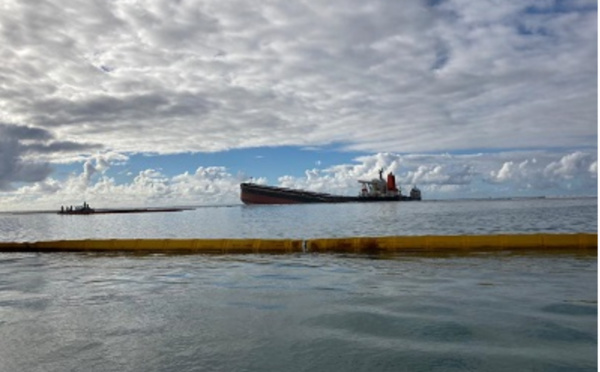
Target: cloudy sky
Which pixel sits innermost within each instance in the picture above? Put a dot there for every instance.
(162, 102)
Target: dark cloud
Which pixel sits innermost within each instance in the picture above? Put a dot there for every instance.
(12, 167)
(21, 148)
(61, 147)
(19, 132)
(124, 110)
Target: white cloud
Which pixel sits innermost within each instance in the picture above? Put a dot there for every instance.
(149, 187)
(451, 176)
(438, 176)
(562, 173)
(593, 169)
(570, 166)
(82, 80)
(377, 76)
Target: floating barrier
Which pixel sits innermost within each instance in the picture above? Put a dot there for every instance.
(360, 245)
(454, 243)
(215, 246)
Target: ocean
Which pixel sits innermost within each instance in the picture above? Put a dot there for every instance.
(302, 312)
(309, 221)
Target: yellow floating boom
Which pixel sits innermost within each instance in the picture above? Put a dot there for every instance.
(218, 246)
(445, 243)
(361, 245)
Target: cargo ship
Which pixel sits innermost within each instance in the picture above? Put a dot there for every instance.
(375, 190)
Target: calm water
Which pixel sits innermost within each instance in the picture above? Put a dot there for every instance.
(305, 312)
(74, 312)
(317, 220)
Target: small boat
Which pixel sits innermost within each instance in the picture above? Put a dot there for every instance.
(86, 209)
(375, 190)
(83, 209)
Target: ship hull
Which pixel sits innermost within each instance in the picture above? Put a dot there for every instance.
(260, 194)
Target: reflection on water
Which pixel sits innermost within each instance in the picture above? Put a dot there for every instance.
(494, 312)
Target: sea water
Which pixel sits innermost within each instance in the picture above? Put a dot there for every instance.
(307, 221)
(302, 312)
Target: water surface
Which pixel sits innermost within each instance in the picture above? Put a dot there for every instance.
(309, 221)
(62, 312)
(304, 312)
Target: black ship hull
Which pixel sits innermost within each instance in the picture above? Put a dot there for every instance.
(261, 194)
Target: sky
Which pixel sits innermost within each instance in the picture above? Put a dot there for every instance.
(175, 102)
